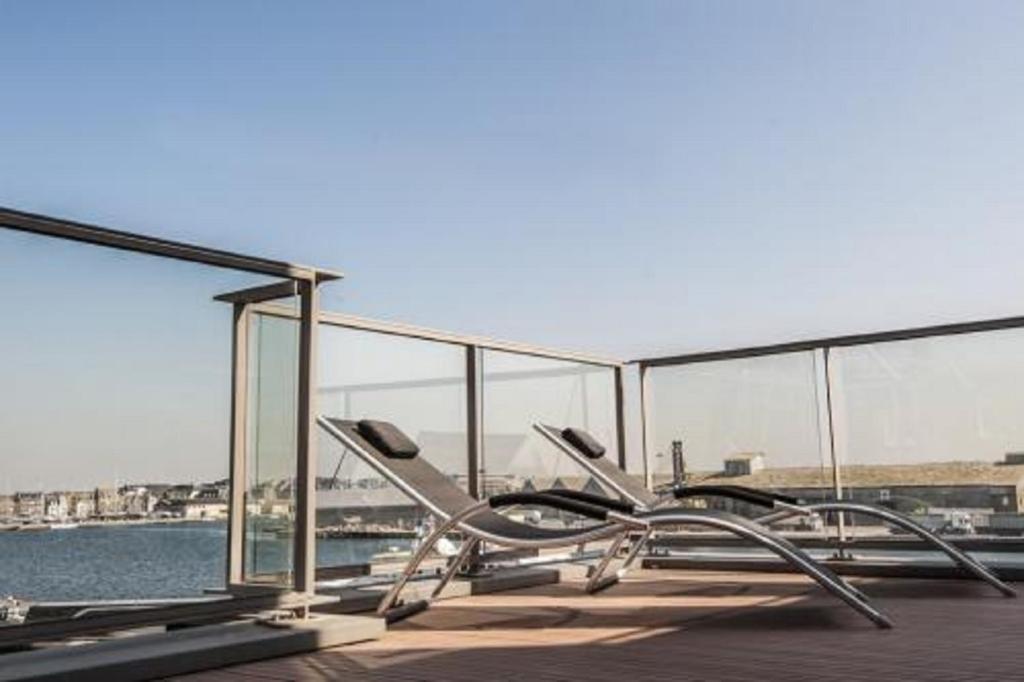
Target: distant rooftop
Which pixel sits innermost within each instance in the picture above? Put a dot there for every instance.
(880, 476)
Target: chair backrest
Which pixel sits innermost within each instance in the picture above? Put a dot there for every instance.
(414, 476)
(603, 469)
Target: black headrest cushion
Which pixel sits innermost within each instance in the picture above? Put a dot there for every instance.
(584, 442)
(388, 438)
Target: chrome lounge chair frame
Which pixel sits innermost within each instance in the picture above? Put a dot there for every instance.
(783, 507)
(478, 521)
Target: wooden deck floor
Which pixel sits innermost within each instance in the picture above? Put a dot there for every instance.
(667, 625)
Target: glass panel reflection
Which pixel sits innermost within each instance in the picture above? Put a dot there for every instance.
(271, 445)
(116, 491)
(418, 385)
(753, 422)
(932, 428)
(519, 390)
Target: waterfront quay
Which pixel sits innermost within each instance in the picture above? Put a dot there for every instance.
(144, 503)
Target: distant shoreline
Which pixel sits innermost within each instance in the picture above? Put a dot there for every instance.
(322, 533)
(41, 526)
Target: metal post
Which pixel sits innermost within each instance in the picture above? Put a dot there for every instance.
(239, 411)
(648, 474)
(837, 481)
(620, 418)
(474, 441)
(305, 471)
(474, 427)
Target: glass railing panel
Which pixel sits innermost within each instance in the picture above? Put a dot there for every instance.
(271, 452)
(931, 428)
(519, 390)
(114, 424)
(418, 385)
(633, 421)
(756, 422)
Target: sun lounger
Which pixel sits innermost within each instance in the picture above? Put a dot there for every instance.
(588, 453)
(395, 457)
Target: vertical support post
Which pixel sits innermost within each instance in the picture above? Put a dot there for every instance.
(620, 417)
(837, 481)
(474, 441)
(474, 427)
(305, 471)
(239, 425)
(644, 402)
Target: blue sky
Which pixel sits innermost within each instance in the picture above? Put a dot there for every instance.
(629, 178)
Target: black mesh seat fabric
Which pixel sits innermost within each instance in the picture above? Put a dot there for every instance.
(578, 441)
(628, 485)
(494, 523)
(441, 495)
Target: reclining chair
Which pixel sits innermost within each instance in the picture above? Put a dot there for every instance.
(394, 456)
(588, 453)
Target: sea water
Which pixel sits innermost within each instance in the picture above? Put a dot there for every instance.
(148, 561)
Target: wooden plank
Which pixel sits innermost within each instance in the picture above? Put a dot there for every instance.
(673, 625)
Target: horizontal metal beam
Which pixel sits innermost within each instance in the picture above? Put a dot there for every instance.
(410, 331)
(267, 292)
(129, 241)
(836, 342)
(896, 543)
(442, 382)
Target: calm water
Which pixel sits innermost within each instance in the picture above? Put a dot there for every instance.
(128, 562)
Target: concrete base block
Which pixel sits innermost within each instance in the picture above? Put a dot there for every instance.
(175, 653)
(865, 568)
(514, 579)
(364, 599)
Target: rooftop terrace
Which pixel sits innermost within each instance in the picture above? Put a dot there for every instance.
(673, 625)
(311, 523)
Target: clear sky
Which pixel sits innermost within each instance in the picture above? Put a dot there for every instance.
(630, 178)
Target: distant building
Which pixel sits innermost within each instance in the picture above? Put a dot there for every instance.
(205, 509)
(29, 505)
(106, 502)
(223, 487)
(744, 464)
(56, 506)
(81, 505)
(179, 493)
(913, 488)
(7, 507)
(206, 501)
(138, 501)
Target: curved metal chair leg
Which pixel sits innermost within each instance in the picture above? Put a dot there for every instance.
(598, 583)
(606, 558)
(467, 546)
(791, 553)
(959, 557)
(634, 551)
(421, 553)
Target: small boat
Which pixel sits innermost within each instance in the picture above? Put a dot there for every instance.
(393, 553)
(446, 547)
(63, 525)
(12, 611)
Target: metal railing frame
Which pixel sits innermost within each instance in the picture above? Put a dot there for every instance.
(821, 347)
(474, 347)
(302, 282)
